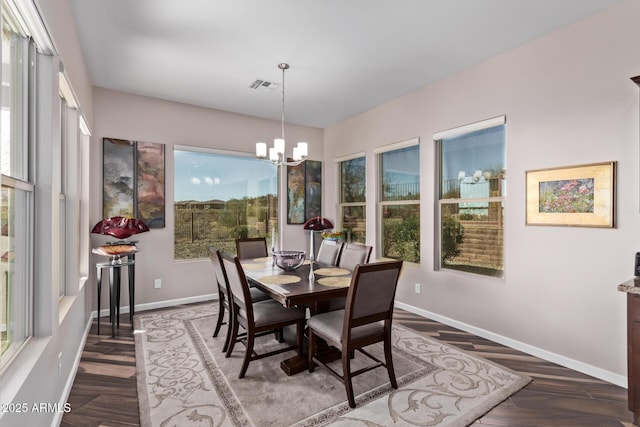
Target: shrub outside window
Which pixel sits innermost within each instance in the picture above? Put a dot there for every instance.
(399, 200)
(472, 187)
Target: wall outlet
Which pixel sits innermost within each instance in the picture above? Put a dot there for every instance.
(417, 288)
(157, 283)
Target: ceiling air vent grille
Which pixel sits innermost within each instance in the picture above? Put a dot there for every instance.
(262, 84)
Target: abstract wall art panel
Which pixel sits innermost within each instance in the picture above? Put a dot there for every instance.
(134, 180)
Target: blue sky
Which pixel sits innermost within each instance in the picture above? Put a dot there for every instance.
(206, 176)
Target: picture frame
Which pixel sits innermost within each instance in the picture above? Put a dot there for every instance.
(304, 191)
(573, 196)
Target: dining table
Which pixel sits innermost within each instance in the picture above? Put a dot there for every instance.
(299, 288)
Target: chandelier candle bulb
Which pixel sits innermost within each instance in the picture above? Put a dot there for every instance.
(273, 154)
(261, 150)
(303, 149)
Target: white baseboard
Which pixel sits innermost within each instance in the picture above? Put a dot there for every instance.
(611, 377)
(72, 376)
(160, 304)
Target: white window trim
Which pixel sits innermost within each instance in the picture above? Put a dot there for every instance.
(380, 203)
(350, 157)
(437, 138)
(471, 127)
(397, 145)
(341, 205)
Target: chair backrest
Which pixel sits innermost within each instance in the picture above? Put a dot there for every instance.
(255, 247)
(371, 294)
(221, 278)
(329, 252)
(238, 285)
(353, 254)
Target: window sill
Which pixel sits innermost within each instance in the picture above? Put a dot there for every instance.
(64, 306)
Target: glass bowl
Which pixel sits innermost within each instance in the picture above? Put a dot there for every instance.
(289, 260)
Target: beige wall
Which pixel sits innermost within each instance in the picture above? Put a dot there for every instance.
(569, 100)
(126, 116)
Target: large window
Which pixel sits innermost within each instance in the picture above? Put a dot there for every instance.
(353, 198)
(472, 187)
(220, 197)
(16, 203)
(399, 200)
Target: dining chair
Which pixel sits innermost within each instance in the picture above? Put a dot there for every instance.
(254, 247)
(259, 318)
(353, 254)
(224, 296)
(365, 320)
(329, 252)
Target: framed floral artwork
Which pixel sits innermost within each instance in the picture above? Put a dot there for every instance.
(579, 196)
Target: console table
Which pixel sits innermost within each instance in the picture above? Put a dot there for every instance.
(115, 269)
(632, 288)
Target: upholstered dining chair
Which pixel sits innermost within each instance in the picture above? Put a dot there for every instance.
(224, 296)
(353, 254)
(329, 252)
(255, 247)
(365, 320)
(258, 318)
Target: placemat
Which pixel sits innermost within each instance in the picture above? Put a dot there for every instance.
(252, 266)
(282, 279)
(331, 271)
(336, 282)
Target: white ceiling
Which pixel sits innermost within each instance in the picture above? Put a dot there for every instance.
(346, 56)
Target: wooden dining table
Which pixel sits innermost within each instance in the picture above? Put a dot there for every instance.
(294, 288)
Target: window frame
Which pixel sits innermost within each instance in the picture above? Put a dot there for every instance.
(20, 180)
(438, 138)
(271, 230)
(379, 151)
(342, 205)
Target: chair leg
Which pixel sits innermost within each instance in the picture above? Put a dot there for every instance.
(227, 340)
(346, 377)
(234, 337)
(389, 362)
(247, 355)
(312, 349)
(220, 314)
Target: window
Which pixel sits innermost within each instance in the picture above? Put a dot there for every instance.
(73, 218)
(353, 198)
(399, 200)
(221, 196)
(16, 203)
(472, 187)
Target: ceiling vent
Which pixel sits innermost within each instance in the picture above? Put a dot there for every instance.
(263, 84)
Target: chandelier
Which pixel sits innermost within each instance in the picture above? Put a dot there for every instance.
(276, 153)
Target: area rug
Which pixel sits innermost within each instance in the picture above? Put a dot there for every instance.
(185, 380)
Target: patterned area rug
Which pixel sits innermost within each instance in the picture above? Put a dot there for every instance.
(185, 380)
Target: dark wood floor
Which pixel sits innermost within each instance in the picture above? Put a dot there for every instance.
(104, 392)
